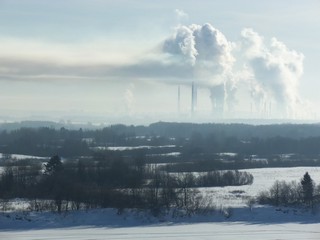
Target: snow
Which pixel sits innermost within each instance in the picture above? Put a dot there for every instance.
(170, 154)
(239, 222)
(261, 223)
(228, 154)
(21, 157)
(264, 178)
(124, 148)
(221, 231)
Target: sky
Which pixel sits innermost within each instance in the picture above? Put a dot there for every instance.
(124, 61)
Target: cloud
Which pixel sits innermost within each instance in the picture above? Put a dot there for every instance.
(198, 53)
(192, 53)
(181, 15)
(32, 59)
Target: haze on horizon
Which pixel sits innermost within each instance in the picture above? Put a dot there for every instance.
(124, 61)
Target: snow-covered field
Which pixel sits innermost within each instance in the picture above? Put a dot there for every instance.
(129, 148)
(264, 178)
(20, 157)
(220, 231)
(261, 222)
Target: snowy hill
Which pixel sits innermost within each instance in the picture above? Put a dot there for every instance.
(231, 219)
(260, 223)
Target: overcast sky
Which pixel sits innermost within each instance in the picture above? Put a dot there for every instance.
(95, 60)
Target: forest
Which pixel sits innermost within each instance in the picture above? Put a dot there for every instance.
(154, 167)
(193, 142)
(109, 182)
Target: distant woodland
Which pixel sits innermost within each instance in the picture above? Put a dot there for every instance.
(155, 167)
(109, 182)
(193, 141)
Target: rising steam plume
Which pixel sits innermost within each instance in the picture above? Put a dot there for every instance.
(276, 71)
(272, 70)
(207, 51)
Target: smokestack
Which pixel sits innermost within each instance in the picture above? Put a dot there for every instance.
(179, 99)
(195, 95)
(270, 110)
(193, 98)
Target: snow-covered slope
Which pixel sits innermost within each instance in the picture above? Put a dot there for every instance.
(260, 223)
(237, 223)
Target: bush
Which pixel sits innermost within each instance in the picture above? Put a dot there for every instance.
(224, 178)
(281, 193)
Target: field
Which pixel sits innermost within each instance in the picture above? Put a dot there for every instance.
(262, 222)
(263, 180)
(221, 231)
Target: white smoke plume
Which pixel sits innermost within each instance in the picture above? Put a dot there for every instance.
(218, 99)
(205, 48)
(209, 54)
(181, 15)
(273, 71)
(182, 45)
(193, 53)
(214, 50)
(276, 70)
(129, 99)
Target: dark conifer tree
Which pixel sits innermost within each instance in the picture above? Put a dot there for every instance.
(54, 165)
(307, 188)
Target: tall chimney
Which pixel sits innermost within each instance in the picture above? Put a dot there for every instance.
(193, 98)
(179, 99)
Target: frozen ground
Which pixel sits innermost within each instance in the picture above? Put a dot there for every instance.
(260, 223)
(221, 231)
(240, 223)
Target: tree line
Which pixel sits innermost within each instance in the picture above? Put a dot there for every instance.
(292, 193)
(61, 185)
(192, 140)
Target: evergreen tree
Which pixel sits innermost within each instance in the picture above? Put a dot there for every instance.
(53, 166)
(307, 188)
(55, 183)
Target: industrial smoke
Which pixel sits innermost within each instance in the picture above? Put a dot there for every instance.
(270, 70)
(207, 51)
